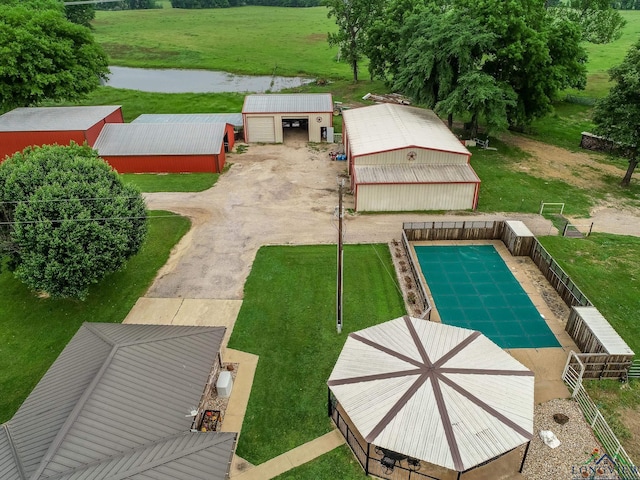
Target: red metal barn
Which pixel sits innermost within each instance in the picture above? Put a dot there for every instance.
(165, 148)
(404, 158)
(24, 127)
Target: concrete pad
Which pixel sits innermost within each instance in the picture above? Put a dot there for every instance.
(186, 311)
(548, 365)
(210, 313)
(239, 465)
(239, 399)
(293, 458)
(154, 311)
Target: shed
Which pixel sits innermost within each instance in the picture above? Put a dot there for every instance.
(23, 127)
(420, 395)
(165, 147)
(117, 403)
(267, 117)
(404, 158)
(234, 119)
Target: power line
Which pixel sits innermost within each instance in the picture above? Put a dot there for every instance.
(79, 220)
(66, 199)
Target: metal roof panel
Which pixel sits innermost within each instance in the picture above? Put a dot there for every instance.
(234, 119)
(42, 119)
(121, 139)
(418, 173)
(288, 103)
(386, 126)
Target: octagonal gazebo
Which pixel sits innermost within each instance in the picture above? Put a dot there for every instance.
(431, 400)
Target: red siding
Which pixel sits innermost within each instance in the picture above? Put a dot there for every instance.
(231, 136)
(12, 142)
(166, 163)
(92, 134)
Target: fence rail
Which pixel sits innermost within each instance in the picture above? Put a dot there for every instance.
(366, 453)
(422, 292)
(568, 291)
(572, 376)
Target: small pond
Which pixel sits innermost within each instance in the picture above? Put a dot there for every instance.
(197, 81)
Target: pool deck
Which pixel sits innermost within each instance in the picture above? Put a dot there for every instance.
(546, 363)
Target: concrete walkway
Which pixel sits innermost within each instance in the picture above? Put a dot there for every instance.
(293, 458)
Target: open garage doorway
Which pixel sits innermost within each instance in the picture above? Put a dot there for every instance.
(295, 129)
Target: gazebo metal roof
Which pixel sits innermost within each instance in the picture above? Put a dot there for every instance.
(442, 394)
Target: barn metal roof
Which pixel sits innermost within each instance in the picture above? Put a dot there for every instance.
(42, 119)
(116, 404)
(418, 173)
(604, 332)
(385, 127)
(288, 103)
(160, 139)
(442, 394)
(234, 119)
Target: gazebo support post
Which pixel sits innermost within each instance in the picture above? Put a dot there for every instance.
(329, 412)
(458, 477)
(524, 457)
(366, 466)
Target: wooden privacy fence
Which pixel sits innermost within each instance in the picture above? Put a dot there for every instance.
(417, 231)
(559, 280)
(613, 357)
(423, 298)
(572, 376)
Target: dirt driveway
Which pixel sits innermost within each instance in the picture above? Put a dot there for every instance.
(273, 194)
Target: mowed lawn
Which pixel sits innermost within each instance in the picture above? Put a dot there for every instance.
(33, 330)
(288, 318)
(249, 40)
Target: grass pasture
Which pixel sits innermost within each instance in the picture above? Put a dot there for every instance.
(173, 182)
(33, 331)
(288, 319)
(250, 40)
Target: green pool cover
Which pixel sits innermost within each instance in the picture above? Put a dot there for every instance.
(473, 288)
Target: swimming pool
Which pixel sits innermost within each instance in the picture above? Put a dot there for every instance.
(473, 288)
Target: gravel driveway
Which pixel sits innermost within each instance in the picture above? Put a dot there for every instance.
(273, 194)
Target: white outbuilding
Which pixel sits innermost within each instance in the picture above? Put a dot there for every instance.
(268, 117)
(404, 158)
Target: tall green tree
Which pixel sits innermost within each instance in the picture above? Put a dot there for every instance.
(80, 14)
(617, 116)
(43, 56)
(353, 17)
(598, 21)
(535, 55)
(67, 219)
(439, 48)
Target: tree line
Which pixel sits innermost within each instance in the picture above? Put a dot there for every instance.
(502, 61)
(240, 3)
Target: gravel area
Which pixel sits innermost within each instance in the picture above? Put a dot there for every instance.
(577, 443)
(213, 401)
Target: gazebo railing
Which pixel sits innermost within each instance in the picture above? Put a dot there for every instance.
(366, 455)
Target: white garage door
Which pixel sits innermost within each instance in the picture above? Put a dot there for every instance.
(261, 129)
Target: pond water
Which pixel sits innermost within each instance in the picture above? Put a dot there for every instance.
(197, 81)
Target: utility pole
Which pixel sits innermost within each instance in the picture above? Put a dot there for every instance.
(340, 267)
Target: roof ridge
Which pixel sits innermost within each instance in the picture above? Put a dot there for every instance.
(70, 421)
(201, 329)
(14, 452)
(217, 436)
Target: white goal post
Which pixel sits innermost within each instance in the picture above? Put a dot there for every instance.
(547, 204)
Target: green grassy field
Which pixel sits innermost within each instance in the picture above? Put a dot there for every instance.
(288, 319)
(337, 464)
(603, 57)
(250, 40)
(33, 331)
(174, 182)
(607, 270)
